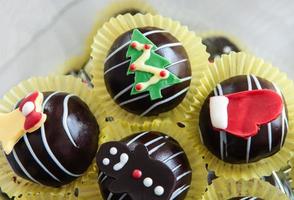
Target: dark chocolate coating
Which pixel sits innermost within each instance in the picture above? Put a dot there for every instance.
(236, 147)
(129, 11)
(82, 127)
(117, 79)
(216, 46)
(245, 198)
(169, 147)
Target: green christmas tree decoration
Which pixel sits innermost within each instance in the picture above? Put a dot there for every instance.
(149, 67)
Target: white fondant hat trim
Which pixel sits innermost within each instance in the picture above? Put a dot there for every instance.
(219, 111)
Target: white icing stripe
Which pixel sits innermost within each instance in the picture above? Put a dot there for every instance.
(133, 99)
(176, 168)
(104, 178)
(222, 140)
(269, 132)
(249, 139)
(179, 191)
(123, 91)
(249, 82)
(64, 119)
(156, 148)
(123, 196)
(278, 181)
(248, 149)
(173, 156)
(153, 141)
(100, 175)
(169, 45)
(47, 147)
(257, 83)
(116, 66)
(147, 95)
(110, 196)
(177, 62)
(165, 101)
(218, 91)
(23, 168)
(137, 137)
(284, 117)
(183, 175)
(129, 42)
(37, 159)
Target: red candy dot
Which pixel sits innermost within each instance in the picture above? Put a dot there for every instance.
(139, 87)
(133, 44)
(132, 67)
(147, 46)
(137, 174)
(162, 73)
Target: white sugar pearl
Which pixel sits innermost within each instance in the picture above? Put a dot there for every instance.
(113, 151)
(158, 191)
(227, 49)
(28, 108)
(106, 161)
(148, 182)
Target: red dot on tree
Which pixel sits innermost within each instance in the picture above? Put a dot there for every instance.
(162, 73)
(139, 87)
(133, 44)
(147, 46)
(137, 174)
(132, 67)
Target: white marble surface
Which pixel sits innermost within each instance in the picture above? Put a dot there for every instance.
(36, 36)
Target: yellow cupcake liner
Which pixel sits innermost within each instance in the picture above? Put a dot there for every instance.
(122, 129)
(223, 68)
(20, 188)
(291, 173)
(224, 189)
(123, 23)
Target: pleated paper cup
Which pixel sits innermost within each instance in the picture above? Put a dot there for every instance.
(120, 129)
(123, 23)
(224, 68)
(112, 9)
(224, 189)
(15, 186)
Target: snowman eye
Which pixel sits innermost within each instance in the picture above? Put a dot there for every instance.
(106, 161)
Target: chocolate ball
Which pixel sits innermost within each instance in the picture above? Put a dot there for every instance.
(161, 148)
(219, 45)
(233, 149)
(63, 148)
(119, 84)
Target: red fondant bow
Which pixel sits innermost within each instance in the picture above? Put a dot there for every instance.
(31, 108)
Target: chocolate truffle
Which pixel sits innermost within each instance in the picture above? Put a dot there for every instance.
(120, 85)
(63, 148)
(219, 45)
(281, 180)
(146, 165)
(230, 148)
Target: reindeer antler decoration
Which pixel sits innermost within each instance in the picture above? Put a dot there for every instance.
(28, 117)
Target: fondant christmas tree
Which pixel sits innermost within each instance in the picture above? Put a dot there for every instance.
(149, 67)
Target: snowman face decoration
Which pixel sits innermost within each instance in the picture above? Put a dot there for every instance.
(135, 173)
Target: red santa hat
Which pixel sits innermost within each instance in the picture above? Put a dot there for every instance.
(242, 113)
